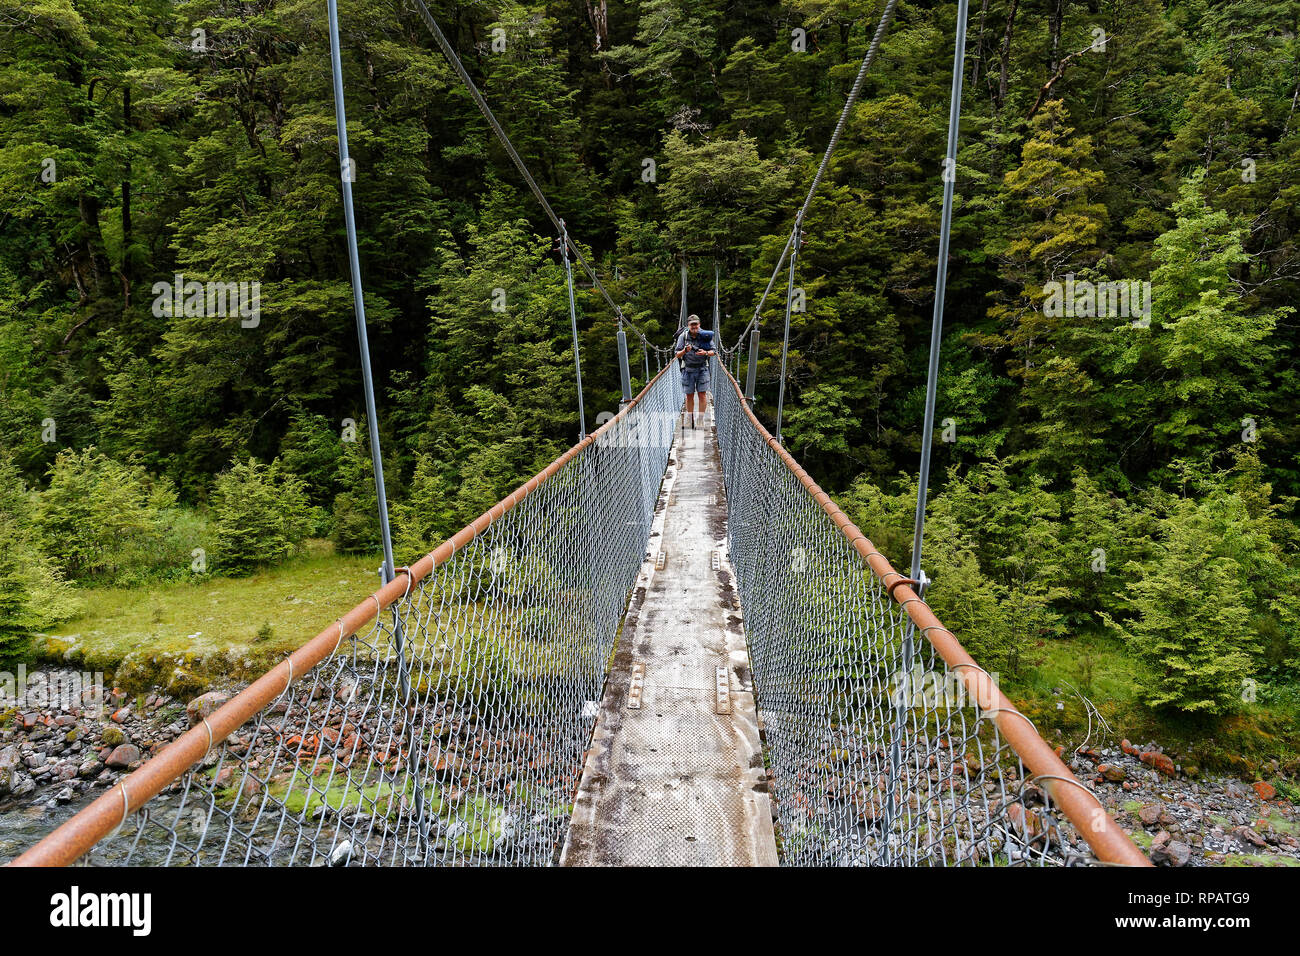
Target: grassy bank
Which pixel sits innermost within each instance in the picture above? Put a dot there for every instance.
(1100, 666)
(183, 635)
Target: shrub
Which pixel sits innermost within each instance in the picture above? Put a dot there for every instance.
(356, 507)
(33, 594)
(260, 515)
(102, 519)
(1191, 614)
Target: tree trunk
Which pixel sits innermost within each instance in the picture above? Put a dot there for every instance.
(979, 45)
(126, 203)
(1004, 55)
(598, 14)
(1054, 17)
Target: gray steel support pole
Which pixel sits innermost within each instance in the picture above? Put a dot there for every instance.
(645, 357)
(573, 323)
(785, 344)
(751, 374)
(358, 299)
(624, 373)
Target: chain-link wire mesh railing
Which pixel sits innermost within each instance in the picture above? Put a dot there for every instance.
(506, 632)
(886, 744)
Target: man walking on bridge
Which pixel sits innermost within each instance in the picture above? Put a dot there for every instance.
(694, 347)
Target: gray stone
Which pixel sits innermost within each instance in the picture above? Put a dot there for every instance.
(204, 706)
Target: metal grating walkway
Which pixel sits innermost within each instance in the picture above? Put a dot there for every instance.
(674, 782)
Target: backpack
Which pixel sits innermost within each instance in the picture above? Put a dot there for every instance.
(704, 341)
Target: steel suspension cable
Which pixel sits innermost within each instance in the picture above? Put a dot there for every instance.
(450, 53)
(785, 342)
(885, 17)
(358, 296)
(573, 323)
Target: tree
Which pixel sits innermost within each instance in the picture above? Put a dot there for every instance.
(719, 195)
(1209, 346)
(1191, 618)
(101, 518)
(33, 594)
(356, 506)
(260, 515)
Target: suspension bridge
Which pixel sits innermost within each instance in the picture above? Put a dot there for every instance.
(668, 647)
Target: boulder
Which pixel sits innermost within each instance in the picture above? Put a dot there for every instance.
(1265, 790)
(1159, 761)
(1172, 853)
(204, 706)
(122, 757)
(1247, 835)
(113, 736)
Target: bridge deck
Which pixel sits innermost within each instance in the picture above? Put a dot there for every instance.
(674, 782)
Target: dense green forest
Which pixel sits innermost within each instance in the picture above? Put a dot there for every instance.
(1135, 480)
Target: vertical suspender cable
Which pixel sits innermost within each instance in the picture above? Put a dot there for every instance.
(573, 323)
(751, 373)
(941, 280)
(789, 302)
(717, 317)
(940, 285)
(367, 379)
(681, 322)
(358, 299)
(624, 371)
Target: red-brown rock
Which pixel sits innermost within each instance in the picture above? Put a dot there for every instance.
(1162, 762)
(1265, 790)
(122, 757)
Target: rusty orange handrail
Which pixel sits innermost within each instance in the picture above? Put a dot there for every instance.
(1081, 807)
(78, 834)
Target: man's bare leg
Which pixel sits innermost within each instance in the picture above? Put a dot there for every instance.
(689, 414)
(704, 403)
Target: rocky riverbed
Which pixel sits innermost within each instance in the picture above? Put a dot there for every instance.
(324, 768)
(1180, 821)
(55, 759)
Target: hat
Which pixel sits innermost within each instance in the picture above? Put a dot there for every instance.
(693, 320)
